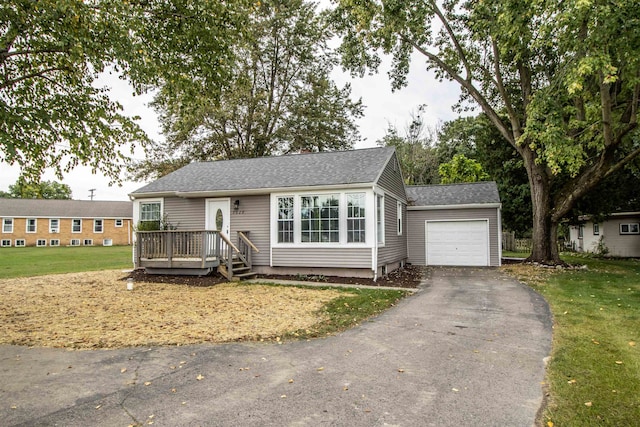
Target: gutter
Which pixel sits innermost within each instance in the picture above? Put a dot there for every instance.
(464, 206)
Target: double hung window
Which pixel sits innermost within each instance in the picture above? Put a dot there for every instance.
(356, 219)
(150, 214)
(7, 225)
(285, 219)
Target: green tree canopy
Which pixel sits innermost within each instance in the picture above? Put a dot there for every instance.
(565, 74)
(461, 169)
(41, 190)
(53, 114)
(279, 97)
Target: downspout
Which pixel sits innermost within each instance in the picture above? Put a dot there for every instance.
(375, 234)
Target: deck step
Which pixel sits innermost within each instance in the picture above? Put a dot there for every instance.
(243, 276)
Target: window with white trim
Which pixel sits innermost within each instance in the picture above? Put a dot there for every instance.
(54, 242)
(630, 228)
(580, 231)
(76, 225)
(98, 225)
(150, 212)
(75, 242)
(320, 218)
(119, 222)
(380, 218)
(7, 225)
(54, 225)
(107, 242)
(6, 243)
(356, 219)
(32, 225)
(20, 243)
(399, 218)
(88, 242)
(596, 229)
(41, 242)
(285, 219)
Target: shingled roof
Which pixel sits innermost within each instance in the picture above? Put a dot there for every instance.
(454, 194)
(49, 208)
(290, 171)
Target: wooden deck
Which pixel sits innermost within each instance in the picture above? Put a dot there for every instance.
(193, 252)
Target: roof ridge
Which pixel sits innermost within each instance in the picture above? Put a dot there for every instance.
(285, 155)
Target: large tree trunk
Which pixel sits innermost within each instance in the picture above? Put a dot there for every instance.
(544, 247)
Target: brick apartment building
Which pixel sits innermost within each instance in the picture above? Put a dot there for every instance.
(38, 222)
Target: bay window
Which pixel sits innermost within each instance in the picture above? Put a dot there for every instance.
(356, 220)
(320, 220)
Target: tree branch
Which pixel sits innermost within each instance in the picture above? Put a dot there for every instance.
(454, 39)
(40, 73)
(513, 117)
(484, 104)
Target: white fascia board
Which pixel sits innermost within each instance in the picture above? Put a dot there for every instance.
(467, 206)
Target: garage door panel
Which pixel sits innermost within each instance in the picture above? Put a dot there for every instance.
(462, 243)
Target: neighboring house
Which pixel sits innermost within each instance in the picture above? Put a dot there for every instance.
(334, 213)
(618, 235)
(46, 222)
(455, 224)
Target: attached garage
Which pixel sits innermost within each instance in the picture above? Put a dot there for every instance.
(464, 242)
(454, 225)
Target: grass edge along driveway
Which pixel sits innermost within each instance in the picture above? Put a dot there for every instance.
(593, 376)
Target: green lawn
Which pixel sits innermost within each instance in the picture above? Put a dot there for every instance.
(594, 373)
(33, 261)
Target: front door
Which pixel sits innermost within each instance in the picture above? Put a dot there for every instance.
(219, 215)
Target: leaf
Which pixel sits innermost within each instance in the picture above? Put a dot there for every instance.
(619, 362)
(632, 343)
(123, 370)
(549, 423)
(588, 404)
(291, 381)
(571, 381)
(400, 370)
(320, 369)
(199, 377)
(148, 383)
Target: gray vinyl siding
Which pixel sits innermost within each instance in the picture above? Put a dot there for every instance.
(416, 224)
(391, 179)
(622, 245)
(395, 247)
(185, 214)
(322, 257)
(253, 216)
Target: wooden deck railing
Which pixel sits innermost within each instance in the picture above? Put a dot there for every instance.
(192, 249)
(170, 245)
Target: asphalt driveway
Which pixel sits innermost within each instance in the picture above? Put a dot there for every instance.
(466, 350)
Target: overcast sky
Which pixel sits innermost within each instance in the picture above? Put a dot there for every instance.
(382, 106)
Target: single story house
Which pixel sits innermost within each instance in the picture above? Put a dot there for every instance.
(339, 213)
(46, 222)
(618, 235)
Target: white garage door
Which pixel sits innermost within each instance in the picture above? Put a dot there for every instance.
(463, 243)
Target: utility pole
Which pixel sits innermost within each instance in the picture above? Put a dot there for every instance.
(92, 191)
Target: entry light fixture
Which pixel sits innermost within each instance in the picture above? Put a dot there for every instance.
(236, 204)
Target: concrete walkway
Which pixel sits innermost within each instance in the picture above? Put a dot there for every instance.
(467, 350)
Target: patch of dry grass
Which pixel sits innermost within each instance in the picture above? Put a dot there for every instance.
(95, 310)
(529, 273)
